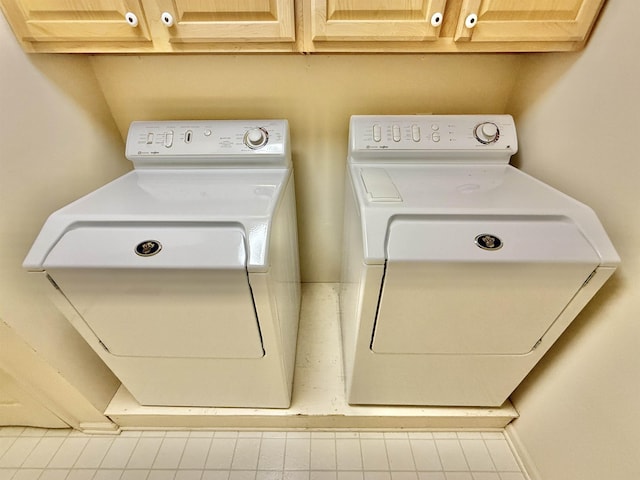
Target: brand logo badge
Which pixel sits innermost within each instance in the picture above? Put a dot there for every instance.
(487, 241)
(148, 248)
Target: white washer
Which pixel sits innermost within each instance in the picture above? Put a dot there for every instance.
(183, 274)
(459, 271)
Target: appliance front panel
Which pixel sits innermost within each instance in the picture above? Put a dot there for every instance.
(471, 308)
(477, 285)
(166, 313)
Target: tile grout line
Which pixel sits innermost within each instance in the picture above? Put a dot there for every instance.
(233, 455)
(335, 454)
(493, 462)
(259, 451)
(80, 454)
(155, 457)
(361, 454)
(7, 450)
(413, 460)
(206, 457)
(52, 456)
(309, 462)
(464, 455)
(413, 455)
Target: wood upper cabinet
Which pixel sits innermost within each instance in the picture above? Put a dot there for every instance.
(182, 24)
(78, 25)
(94, 26)
(375, 20)
(448, 25)
(526, 20)
(152, 26)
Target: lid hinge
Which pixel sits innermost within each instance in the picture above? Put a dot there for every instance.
(53, 282)
(103, 346)
(589, 277)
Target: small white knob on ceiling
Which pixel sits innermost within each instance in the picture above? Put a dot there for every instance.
(131, 18)
(471, 20)
(436, 19)
(167, 19)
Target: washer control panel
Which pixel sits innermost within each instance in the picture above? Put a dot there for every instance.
(433, 135)
(207, 141)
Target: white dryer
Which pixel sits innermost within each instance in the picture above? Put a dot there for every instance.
(183, 274)
(459, 270)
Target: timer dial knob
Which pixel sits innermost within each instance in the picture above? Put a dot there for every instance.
(256, 138)
(487, 132)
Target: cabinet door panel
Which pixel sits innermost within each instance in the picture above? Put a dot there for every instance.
(528, 20)
(19, 407)
(224, 20)
(375, 20)
(77, 21)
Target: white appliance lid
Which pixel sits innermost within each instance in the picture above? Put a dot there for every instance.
(157, 246)
(481, 240)
(488, 191)
(186, 199)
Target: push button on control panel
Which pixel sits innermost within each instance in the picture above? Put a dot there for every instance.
(396, 133)
(415, 133)
(377, 133)
(168, 139)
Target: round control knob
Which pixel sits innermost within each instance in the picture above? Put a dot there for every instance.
(256, 138)
(487, 132)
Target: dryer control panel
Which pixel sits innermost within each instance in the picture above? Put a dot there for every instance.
(218, 143)
(433, 137)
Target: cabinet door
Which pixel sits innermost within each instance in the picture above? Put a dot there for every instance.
(526, 20)
(67, 25)
(17, 407)
(180, 24)
(376, 20)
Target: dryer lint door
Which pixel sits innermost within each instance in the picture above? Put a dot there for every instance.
(477, 287)
(189, 298)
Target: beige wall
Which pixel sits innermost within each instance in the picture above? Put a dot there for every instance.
(57, 142)
(317, 94)
(579, 126)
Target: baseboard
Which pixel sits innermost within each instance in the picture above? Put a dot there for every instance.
(528, 467)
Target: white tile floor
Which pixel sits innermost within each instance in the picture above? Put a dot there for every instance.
(30, 454)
